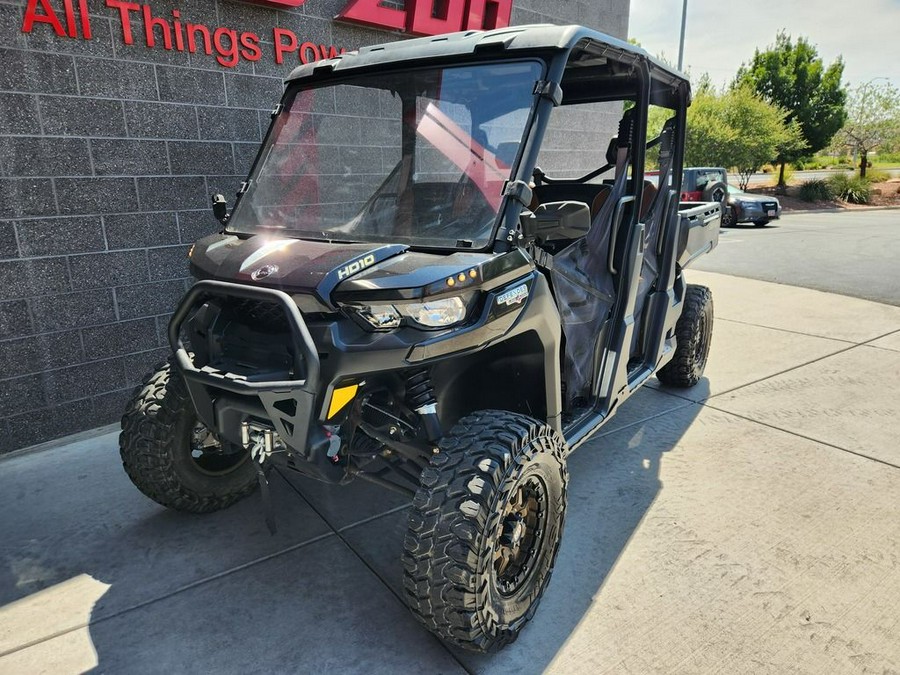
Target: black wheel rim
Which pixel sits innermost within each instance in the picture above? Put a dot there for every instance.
(521, 536)
(208, 454)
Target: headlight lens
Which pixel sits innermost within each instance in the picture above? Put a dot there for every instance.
(431, 314)
(436, 313)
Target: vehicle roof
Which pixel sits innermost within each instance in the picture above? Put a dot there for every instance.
(513, 39)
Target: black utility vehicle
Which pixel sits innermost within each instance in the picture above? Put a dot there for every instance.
(408, 299)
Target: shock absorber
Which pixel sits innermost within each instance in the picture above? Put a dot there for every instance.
(420, 397)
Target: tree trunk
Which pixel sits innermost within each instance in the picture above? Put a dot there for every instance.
(863, 162)
(781, 187)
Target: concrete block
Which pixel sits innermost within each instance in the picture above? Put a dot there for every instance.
(59, 236)
(95, 195)
(190, 85)
(19, 114)
(172, 194)
(31, 156)
(119, 339)
(14, 319)
(70, 116)
(140, 230)
(25, 71)
(170, 262)
(73, 310)
(148, 299)
(160, 120)
(26, 278)
(102, 270)
(129, 158)
(22, 197)
(103, 78)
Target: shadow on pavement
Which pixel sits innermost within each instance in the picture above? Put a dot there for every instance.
(219, 593)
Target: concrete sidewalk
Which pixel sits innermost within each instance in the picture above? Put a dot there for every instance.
(751, 524)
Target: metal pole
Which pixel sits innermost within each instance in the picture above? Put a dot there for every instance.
(681, 43)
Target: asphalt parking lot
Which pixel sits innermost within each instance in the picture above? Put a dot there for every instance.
(750, 524)
(853, 252)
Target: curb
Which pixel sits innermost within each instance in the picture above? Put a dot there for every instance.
(797, 212)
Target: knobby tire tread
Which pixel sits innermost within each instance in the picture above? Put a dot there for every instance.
(149, 437)
(452, 514)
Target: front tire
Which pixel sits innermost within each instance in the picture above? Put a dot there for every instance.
(693, 334)
(485, 528)
(172, 458)
(729, 216)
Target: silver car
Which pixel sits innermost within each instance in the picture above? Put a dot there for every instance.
(743, 207)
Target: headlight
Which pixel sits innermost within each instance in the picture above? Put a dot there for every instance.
(431, 314)
(436, 313)
(380, 316)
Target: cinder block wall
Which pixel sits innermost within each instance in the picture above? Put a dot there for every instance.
(108, 155)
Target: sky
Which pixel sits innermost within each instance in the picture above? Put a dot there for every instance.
(722, 34)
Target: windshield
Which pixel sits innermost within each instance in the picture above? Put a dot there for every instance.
(418, 157)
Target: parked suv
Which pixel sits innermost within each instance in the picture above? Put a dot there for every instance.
(412, 302)
(709, 184)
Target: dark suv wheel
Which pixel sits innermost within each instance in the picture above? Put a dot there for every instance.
(485, 528)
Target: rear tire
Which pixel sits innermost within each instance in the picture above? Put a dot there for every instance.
(693, 334)
(485, 528)
(172, 458)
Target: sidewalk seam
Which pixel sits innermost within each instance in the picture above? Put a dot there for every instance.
(803, 436)
(792, 332)
(353, 551)
(166, 596)
(703, 401)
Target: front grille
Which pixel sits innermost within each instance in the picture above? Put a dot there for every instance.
(770, 206)
(263, 315)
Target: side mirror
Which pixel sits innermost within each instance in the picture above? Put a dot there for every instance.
(558, 220)
(220, 208)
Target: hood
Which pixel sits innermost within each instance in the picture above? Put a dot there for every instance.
(290, 265)
(318, 268)
(749, 197)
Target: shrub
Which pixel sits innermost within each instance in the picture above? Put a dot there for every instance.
(816, 190)
(876, 176)
(851, 189)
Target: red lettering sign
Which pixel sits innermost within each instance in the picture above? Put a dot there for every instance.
(139, 23)
(430, 17)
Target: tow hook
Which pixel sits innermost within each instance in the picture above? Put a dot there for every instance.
(261, 443)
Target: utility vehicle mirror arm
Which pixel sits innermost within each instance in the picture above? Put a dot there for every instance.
(220, 208)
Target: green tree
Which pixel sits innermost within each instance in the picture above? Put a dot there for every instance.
(737, 129)
(873, 120)
(793, 76)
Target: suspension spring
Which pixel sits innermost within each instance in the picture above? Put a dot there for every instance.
(420, 397)
(419, 392)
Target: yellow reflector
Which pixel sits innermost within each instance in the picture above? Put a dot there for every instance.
(341, 397)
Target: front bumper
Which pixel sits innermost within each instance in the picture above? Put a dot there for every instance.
(751, 212)
(224, 400)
